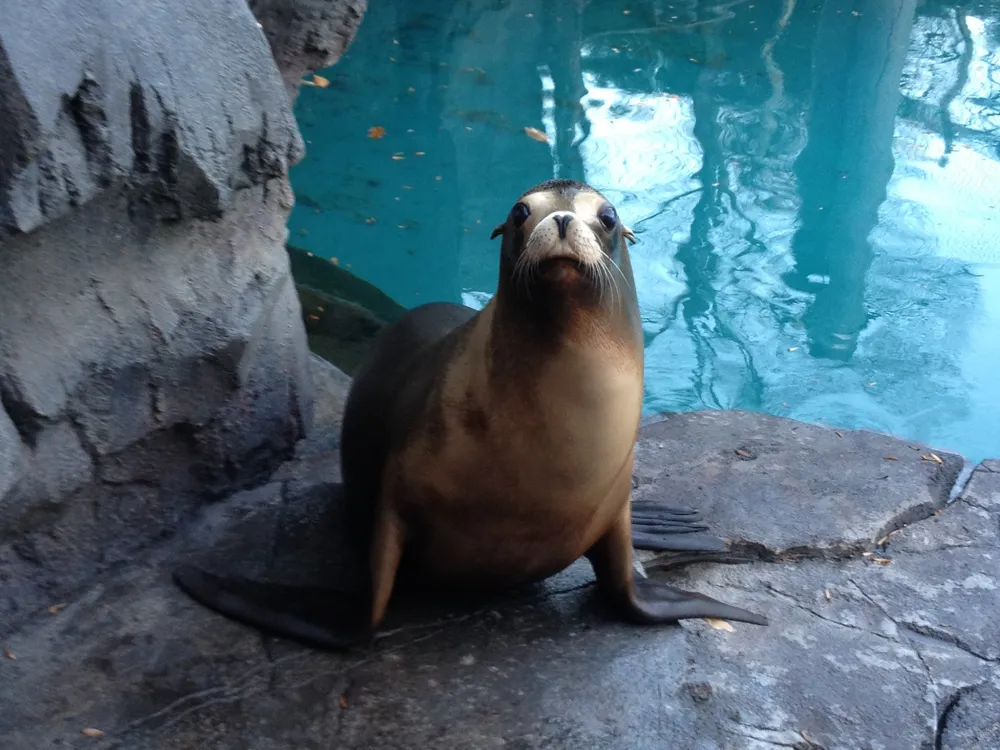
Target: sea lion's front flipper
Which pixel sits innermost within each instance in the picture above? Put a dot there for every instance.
(661, 528)
(325, 618)
(649, 601)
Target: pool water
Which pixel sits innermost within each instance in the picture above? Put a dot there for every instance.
(815, 186)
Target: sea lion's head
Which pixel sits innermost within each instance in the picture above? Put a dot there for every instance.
(564, 248)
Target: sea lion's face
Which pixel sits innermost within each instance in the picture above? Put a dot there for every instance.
(563, 237)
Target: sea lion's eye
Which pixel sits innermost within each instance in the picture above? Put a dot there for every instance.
(520, 214)
(608, 217)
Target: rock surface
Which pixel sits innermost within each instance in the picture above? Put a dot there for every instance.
(874, 643)
(307, 35)
(181, 101)
(152, 352)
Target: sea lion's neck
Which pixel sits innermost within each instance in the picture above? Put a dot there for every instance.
(572, 404)
(581, 351)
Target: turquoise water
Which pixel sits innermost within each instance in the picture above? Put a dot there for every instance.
(815, 186)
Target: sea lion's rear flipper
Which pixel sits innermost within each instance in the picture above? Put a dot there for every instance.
(325, 618)
(654, 602)
(648, 601)
(661, 528)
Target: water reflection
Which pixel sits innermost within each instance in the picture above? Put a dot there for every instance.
(813, 185)
(843, 171)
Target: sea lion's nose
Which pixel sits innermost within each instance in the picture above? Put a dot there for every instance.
(562, 221)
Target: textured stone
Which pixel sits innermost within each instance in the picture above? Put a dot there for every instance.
(56, 467)
(857, 654)
(780, 488)
(972, 720)
(330, 398)
(179, 100)
(152, 352)
(11, 454)
(307, 35)
(944, 579)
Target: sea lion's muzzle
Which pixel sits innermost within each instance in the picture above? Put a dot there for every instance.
(563, 236)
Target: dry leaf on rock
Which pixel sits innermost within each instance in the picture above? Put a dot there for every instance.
(720, 624)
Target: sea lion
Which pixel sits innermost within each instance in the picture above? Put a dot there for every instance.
(495, 448)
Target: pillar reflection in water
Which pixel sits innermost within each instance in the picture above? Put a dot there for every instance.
(843, 171)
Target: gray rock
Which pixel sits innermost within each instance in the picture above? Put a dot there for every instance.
(779, 488)
(849, 660)
(331, 386)
(971, 720)
(11, 454)
(944, 578)
(991, 465)
(181, 101)
(152, 352)
(56, 467)
(307, 35)
(983, 490)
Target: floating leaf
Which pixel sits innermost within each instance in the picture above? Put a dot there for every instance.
(720, 624)
(91, 732)
(793, 348)
(376, 131)
(370, 220)
(398, 157)
(536, 135)
(321, 81)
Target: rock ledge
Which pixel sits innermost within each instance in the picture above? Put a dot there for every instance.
(875, 642)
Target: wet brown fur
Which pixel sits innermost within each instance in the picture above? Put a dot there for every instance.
(518, 459)
(494, 448)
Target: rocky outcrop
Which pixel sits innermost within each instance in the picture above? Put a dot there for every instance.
(307, 35)
(152, 353)
(883, 599)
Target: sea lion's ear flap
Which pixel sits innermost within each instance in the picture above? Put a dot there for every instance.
(628, 234)
(498, 231)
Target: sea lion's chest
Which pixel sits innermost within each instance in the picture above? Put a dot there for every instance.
(513, 490)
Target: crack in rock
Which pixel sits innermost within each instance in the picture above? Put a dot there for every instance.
(946, 710)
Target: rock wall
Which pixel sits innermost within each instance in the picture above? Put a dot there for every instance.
(307, 34)
(152, 353)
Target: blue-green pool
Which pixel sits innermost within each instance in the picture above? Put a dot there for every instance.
(815, 186)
